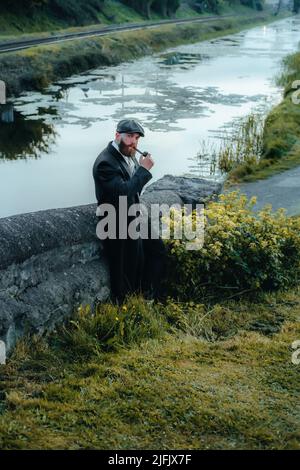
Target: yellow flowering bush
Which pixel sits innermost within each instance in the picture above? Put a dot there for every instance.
(242, 249)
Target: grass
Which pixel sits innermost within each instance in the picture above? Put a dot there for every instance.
(217, 377)
(243, 147)
(281, 133)
(12, 25)
(42, 21)
(35, 68)
(281, 145)
(112, 12)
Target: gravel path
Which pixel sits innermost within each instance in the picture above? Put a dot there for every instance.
(282, 190)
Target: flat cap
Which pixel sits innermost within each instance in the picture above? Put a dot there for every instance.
(130, 126)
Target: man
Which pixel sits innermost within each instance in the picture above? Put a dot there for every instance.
(135, 264)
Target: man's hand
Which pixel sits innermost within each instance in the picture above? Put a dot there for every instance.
(147, 162)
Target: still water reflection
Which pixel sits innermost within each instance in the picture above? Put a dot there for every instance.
(21, 137)
(183, 97)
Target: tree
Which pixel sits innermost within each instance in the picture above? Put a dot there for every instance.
(205, 5)
(278, 7)
(15, 5)
(166, 7)
(255, 4)
(141, 6)
(296, 6)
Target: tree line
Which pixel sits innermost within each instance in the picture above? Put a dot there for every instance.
(76, 12)
(169, 7)
(90, 8)
(145, 7)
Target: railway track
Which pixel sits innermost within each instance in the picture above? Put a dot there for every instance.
(11, 46)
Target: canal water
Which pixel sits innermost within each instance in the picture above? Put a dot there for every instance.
(185, 98)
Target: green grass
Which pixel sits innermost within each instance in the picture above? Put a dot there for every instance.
(202, 377)
(119, 12)
(265, 169)
(281, 141)
(15, 25)
(43, 25)
(12, 25)
(113, 12)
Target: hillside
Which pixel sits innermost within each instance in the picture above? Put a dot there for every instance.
(29, 16)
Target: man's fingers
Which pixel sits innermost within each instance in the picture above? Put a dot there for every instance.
(147, 162)
(145, 158)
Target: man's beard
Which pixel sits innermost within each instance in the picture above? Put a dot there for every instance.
(126, 150)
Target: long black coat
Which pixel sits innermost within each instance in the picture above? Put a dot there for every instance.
(112, 179)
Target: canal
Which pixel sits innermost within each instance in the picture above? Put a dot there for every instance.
(185, 98)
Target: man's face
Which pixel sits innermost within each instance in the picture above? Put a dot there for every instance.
(127, 143)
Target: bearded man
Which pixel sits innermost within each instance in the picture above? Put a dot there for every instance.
(136, 264)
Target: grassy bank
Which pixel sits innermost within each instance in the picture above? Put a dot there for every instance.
(75, 13)
(281, 133)
(195, 371)
(72, 14)
(35, 68)
(187, 377)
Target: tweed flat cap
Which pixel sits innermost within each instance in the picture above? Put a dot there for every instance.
(130, 126)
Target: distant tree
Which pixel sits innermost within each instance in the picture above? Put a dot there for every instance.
(205, 5)
(52, 5)
(166, 7)
(14, 5)
(255, 4)
(279, 5)
(141, 6)
(296, 6)
(163, 7)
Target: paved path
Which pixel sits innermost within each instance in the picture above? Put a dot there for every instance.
(282, 190)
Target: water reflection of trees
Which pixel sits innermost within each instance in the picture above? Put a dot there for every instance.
(22, 137)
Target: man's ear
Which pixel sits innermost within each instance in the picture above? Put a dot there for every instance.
(118, 137)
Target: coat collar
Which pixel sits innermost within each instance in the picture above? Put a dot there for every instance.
(114, 152)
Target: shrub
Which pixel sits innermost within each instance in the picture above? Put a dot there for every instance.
(281, 130)
(242, 250)
(110, 327)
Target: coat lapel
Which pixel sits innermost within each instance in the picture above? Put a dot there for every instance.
(122, 164)
(121, 161)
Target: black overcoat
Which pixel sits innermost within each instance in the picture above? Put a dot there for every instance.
(113, 179)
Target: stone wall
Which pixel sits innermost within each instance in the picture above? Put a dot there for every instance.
(51, 261)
